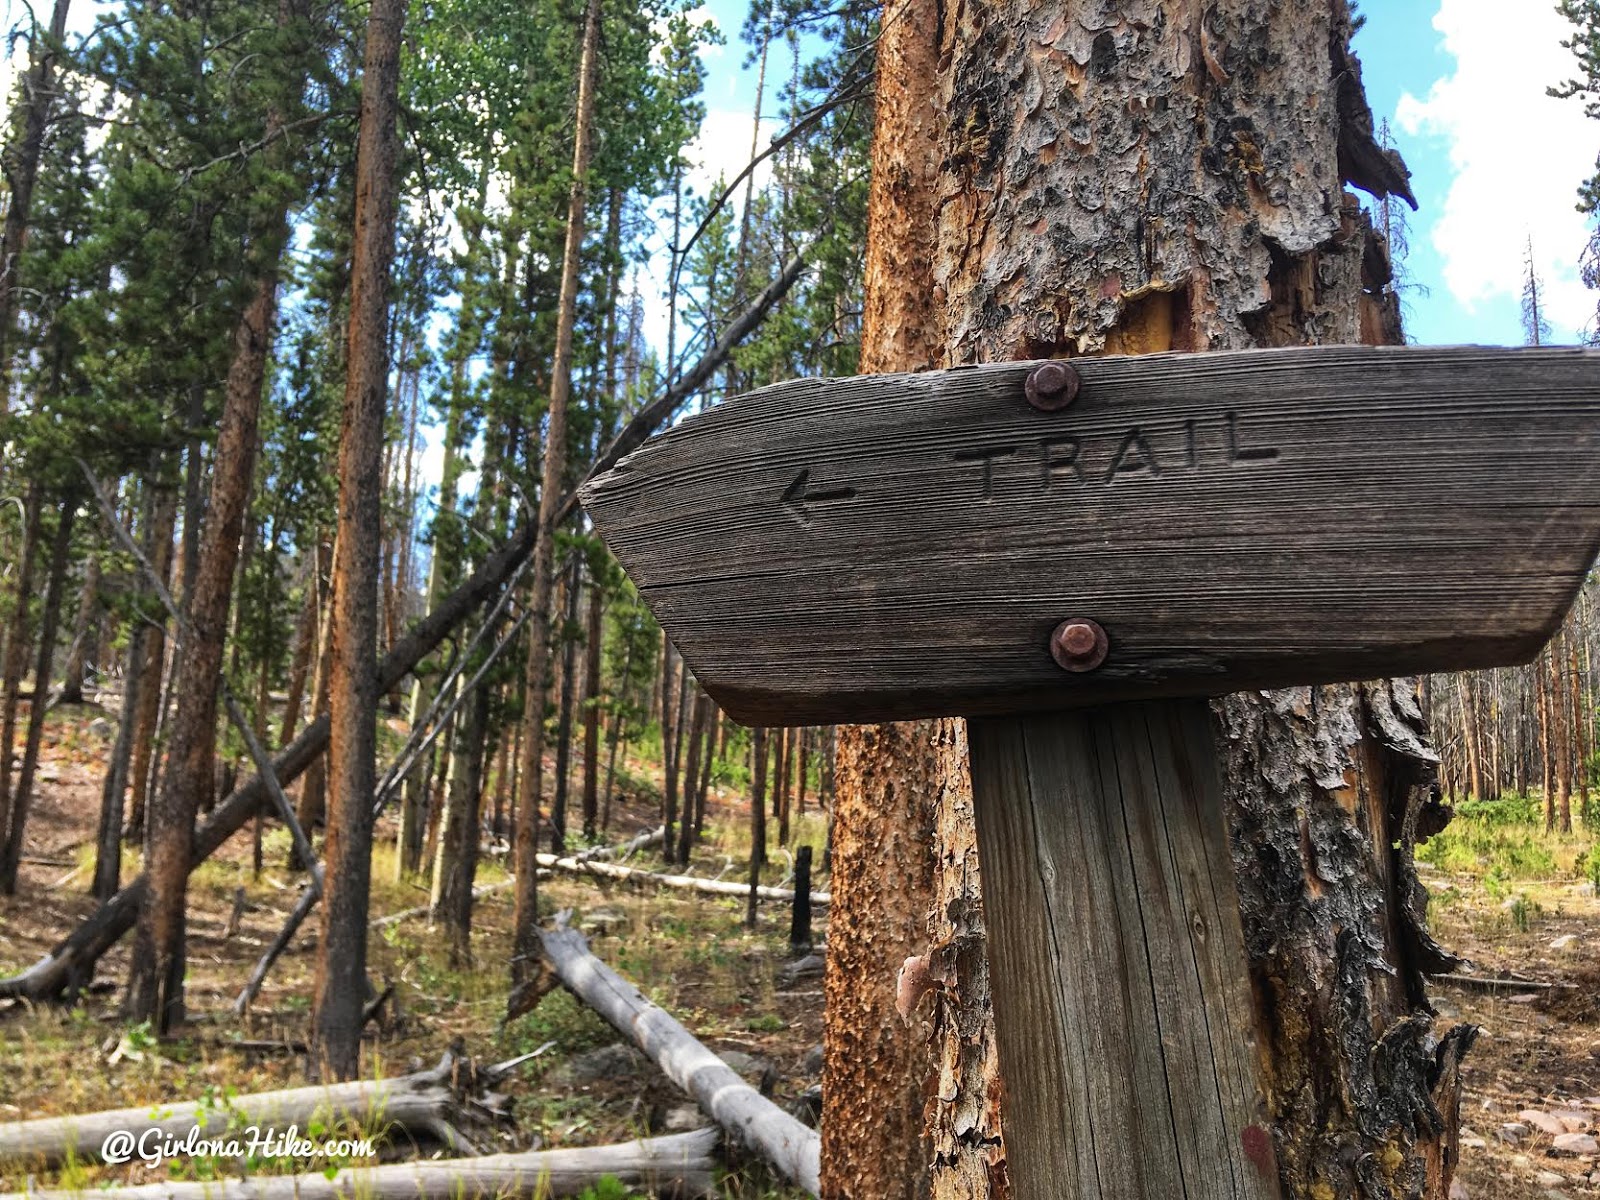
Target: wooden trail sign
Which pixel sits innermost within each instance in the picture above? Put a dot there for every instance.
(1075, 556)
(904, 545)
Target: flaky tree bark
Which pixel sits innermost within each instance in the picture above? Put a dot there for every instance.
(1167, 174)
(353, 683)
(889, 778)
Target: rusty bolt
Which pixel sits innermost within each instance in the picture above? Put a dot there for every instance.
(1052, 386)
(1079, 644)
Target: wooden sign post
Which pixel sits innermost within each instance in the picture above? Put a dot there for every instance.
(1075, 556)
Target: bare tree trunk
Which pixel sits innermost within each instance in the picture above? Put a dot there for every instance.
(353, 680)
(594, 633)
(569, 686)
(17, 645)
(1467, 693)
(21, 166)
(758, 821)
(305, 644)
(83, 626)
(155, 984)
(457, 860)
(875, 1144)
(162, 524)
(312, 808)
(136, 680)
(686, 827)
(22, 798)
(525, 942)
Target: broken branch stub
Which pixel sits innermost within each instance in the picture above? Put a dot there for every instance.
(895, 546)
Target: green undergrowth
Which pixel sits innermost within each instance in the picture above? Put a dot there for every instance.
(1505, 840)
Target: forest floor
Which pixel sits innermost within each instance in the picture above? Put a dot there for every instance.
(1512, 901)
(689, 952)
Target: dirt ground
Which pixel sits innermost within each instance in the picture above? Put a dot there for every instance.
(689, 952)
(1533, 1075)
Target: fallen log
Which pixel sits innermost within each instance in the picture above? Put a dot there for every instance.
(714, 887)
(69, 965)
(1481, 983)
(681, 1164)
(643, 841)
(439, 1105)
(749, 1117)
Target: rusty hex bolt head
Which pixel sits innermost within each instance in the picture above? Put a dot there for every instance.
(1079, 644)
(1052, 386)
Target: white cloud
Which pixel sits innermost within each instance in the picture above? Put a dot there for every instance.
(722, 149)
(1518, 156)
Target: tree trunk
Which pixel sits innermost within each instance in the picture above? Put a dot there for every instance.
(594, 632)
(1466, 694)
(305, 645)
(82, 633)
(155, 983)
(159, 550)
(17, 644)
(22, 798)
(691, 774)
(674, 760)
(1210, 215)
(21, 165)
(525, 941)
(457, 860)
(569, 687)
(887, 779)
(353, 682)
(758, 821)
(137, 680)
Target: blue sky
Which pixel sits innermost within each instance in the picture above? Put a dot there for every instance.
(1494, 161)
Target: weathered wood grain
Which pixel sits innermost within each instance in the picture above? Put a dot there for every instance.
(902, 545)
(1121, 1002)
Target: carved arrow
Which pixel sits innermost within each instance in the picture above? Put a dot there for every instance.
(799, 494)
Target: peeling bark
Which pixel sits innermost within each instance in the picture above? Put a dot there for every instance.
(877, 1061)
(1168, 175)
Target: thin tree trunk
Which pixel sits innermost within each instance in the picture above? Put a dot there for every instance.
(785, 784)
(686, 827)
(457, 862)
(155, 984)
(83, 626)
(876, 1062)
(617, 728)
(758, 822)
(108, 841)
(711, 722)
(569, 686)
(312, 808)
(21, 165)
(353, 681)
(594, 631)
(22, 799)
(1466, 693)
(17, 645)
(145, 734)
(305, 644)
(525, 942)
